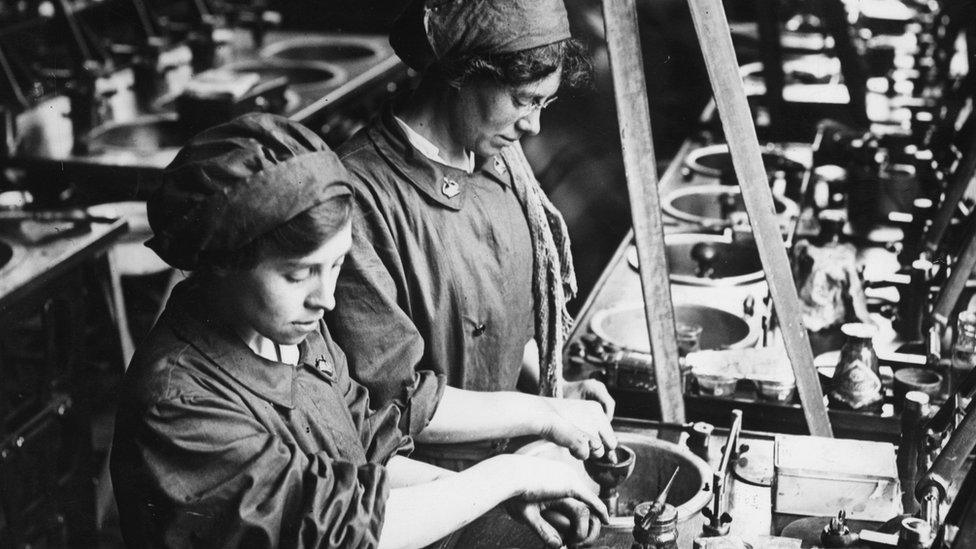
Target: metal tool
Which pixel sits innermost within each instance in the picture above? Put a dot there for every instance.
(718, 518)
(656, 522)
(662, 498)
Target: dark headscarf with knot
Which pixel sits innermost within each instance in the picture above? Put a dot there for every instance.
(432, 30)
(429, 30)
(237, 181)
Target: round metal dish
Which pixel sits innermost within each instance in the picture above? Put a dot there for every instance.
(334, 49)
(303, 76)
(144, 135)
(700, 204)
(655, 461)
(716, 161)
(736, 261)
(10, 255)
(626, 327)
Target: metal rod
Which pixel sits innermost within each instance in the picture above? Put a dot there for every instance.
(716, 42)
(633, 113)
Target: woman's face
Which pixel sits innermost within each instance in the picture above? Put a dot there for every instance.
(488, 116)
(283, 298)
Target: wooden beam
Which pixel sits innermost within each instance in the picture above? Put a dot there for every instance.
(852, 65)
(962, 269)
(633, 114)
(730, 97)
(771, 54)
(959, 181)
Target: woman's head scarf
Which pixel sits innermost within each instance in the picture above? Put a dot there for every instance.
(430, 30)
(237, 181)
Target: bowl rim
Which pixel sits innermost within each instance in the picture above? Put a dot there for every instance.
(686, 510)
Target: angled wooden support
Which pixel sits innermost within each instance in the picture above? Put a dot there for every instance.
(959, 181)
(723, 70)
(962, 269)
(633, 114)
(852, 65)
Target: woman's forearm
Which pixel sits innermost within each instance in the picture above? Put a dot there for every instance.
(465, 416)
(404, 472)
(419, 515)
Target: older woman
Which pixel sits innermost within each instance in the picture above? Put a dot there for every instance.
(460, 265)
(238, 424)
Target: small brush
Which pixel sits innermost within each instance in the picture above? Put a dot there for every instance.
(658, 504)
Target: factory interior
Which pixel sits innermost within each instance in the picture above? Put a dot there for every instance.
(720, 294)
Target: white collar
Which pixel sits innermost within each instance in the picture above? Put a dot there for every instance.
(430, 150)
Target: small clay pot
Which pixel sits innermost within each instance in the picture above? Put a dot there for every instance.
(915, 379)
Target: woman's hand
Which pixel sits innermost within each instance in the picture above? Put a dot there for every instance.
(590, 389)
(559, 522)
(581, 426)
(553, 499)
(537, 479)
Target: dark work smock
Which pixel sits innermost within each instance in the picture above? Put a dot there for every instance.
(435, 285)
(216, 446)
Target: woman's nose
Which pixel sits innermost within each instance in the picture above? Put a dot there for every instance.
(531, 123)
(322, 296)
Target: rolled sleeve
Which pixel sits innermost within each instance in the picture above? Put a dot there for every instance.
(201, 471)
(383, 347)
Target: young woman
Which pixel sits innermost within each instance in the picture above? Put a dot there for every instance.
(238, 424)
(460, 265)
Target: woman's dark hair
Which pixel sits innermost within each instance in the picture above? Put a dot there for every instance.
(299, 236)
(522, 67)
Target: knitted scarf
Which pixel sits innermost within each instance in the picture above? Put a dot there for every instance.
(553, 277)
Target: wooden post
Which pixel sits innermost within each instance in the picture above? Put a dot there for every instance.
(633, 114)
(852, 66)
(959, 181)
(723, 71)
(962, 268)
(771, 54)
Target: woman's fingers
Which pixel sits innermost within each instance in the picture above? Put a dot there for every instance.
(594, 531)
(584, 494)
(578, 513)
(591, 389)
(573, 520)
(531, 514)
(579, 443)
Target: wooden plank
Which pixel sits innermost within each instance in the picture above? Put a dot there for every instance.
(716, 41)
(962, 268)
(771, 54)
(959, 181)
(633, 114)
(852, 65)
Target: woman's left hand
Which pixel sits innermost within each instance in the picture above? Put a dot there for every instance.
(559, 522)
(590, 389)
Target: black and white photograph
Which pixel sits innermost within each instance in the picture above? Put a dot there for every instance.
(488, 274)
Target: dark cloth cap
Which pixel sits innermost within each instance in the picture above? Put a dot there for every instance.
(430, 30)
(237, 181)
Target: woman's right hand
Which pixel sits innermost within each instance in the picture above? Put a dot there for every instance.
(537, 479)
(581, 426)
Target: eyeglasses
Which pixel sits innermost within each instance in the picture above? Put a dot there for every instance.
(535, 104)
